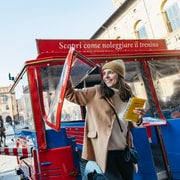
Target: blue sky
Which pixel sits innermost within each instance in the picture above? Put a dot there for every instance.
(22, 22)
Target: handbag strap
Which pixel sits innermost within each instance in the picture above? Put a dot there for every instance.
(128, 137)
(117, 118)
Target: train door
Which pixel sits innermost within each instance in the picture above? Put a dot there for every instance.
(58, 113)
(165, 74)
(152, 164)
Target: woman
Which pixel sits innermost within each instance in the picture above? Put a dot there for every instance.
(104, 141)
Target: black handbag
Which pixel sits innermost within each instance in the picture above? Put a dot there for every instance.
(131, 155)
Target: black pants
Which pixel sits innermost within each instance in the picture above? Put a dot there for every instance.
(117, 168)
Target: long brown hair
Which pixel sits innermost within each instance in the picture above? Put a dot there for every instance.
(125, 90)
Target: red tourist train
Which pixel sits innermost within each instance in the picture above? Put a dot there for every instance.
(49, 130)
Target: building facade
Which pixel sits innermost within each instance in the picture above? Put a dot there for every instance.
(143, 19)
(6, 101)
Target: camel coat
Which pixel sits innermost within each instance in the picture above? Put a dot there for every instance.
(98, 122)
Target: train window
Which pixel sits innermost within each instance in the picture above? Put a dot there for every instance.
(54, 80)
(70, 112)
(50, 76)
(135, 78)
(23, 117)
(166, 79)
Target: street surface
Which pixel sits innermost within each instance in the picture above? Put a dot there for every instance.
(8, 163)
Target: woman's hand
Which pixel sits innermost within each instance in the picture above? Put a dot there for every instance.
(140, 111)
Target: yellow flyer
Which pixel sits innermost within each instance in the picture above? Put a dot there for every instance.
(133, 103)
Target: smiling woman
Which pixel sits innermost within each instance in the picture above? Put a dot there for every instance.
(105, 138)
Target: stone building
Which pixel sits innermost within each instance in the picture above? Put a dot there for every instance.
(143, 19)
(6, 101)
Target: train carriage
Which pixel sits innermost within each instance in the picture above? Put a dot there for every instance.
(49, 130)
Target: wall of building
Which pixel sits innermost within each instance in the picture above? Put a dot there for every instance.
(6, 101)
(150, 14)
